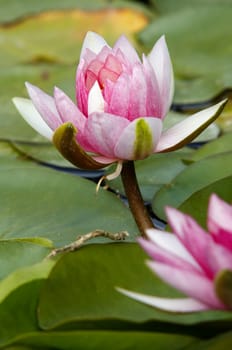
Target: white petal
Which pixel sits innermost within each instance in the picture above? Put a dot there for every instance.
(32, 116)
(93, 42)
(185, 131)
(167, 304)
(96, 102)
(171, 243)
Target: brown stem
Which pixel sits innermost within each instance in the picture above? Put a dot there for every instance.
(135, 199)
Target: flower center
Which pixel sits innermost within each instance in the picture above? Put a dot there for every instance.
(102, 71)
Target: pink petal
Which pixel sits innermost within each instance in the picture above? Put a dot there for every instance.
(160, 60)
(220, 221)
(86, 60)
(104, 160)
(172, 245)
(32, 116)
(167, 304)
(191, 283)
(185, 131)
(68, 110)
(153, 100)
(93, 42)
(118, 103)
(104, 53)
(81, 91)
(127, 49)
(210, 256)
(102, 132)
(138, 139)
(164, 256)
(45, 105)
(138, 94)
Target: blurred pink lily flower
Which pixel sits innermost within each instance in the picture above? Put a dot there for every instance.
(121, 103)
(196, 262)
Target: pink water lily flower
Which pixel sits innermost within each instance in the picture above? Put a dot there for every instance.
(196, 262)
(121, 103)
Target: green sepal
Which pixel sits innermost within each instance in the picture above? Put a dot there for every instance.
(64, 139)
(143, 142)
(223, 287)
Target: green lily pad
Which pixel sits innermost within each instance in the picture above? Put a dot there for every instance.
(197, 204)
(21, 347)
(12, 9)
(18, 312)
(166, 6)
(155, 171)
(61, 34)
(96, 316)
(220, 342)
(17, 253)
(201, 58)
(88, 278)
(41, 202)
(193, 178)
(107, 339)
(220, 145)
(24, 275)
(41, 152)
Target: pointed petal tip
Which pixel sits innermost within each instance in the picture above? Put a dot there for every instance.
(180, 305)
(96, 102)
(93, 42)
(162, 39)
(185, 131)
(30, 114)
(29, 86)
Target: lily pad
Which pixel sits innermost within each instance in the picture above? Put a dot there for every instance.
(15, 254)
(12, 9)
(193, 178)
(197, 204)
(202, 59)
(220, 145)
(155, 171)
(223, 341)
(41, 202)
(107, 339)
(88, 278)
(17, 312)
(61, 34)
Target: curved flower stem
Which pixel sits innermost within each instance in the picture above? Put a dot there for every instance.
(135, 199)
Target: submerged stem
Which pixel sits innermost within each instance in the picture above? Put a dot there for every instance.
(135, 199)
